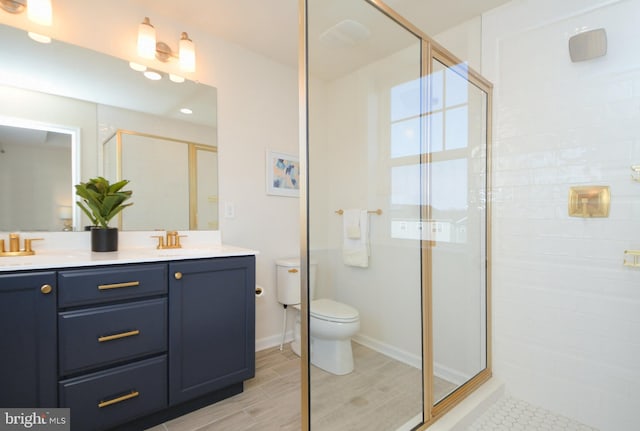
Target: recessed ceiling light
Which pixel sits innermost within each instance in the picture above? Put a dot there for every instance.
(152, 75)
(39, 37)
(176, 78)
(137, 66)
(186, 111)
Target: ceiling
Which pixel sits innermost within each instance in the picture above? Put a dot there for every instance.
(270, 27)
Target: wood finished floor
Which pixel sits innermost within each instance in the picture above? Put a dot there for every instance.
(381, 394)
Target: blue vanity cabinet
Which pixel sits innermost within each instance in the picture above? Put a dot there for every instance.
(112, 343)
(28, 339)
(212, 325)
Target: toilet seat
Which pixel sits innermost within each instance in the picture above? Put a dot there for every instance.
(333, 311)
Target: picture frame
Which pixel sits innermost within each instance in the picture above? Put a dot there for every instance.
(283, 174)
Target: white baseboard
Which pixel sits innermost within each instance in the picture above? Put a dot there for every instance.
(449, 374)
(388, 350)
(273, 341)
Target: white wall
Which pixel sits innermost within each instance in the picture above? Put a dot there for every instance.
(566, 311)
(350, 167)
(257, 109)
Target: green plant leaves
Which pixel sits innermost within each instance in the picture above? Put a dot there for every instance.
(101, 201)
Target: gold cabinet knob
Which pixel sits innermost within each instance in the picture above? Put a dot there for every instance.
(46, 289)
(178, 275)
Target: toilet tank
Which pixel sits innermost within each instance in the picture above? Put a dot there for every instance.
(288, 280)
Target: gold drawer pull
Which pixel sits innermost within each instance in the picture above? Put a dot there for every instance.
(133, 394)
(117, 336)
(118, 285)
(46, 289)
(293, 271)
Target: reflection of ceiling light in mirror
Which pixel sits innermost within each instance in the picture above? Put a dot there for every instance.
(176, 78)
(345, 33)
(39, 37)
(152, 75)
(186, 111)
(137, 66)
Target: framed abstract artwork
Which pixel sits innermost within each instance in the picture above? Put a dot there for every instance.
(283, 174)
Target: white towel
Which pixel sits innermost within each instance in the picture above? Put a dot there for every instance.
(352, 224)
(355, 251)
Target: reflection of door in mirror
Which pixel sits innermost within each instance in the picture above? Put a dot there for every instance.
(174, 182)
(205, 187)
(36, 177)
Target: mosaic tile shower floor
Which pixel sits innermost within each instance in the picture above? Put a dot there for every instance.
(511, 414)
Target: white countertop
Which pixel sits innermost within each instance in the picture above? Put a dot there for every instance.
(134, 247)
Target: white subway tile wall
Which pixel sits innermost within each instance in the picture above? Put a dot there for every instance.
(566, 311)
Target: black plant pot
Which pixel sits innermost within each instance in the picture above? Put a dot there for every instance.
(104, 239)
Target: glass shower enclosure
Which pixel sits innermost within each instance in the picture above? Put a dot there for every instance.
(396, 131)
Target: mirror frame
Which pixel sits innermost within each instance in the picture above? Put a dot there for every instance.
(74, 133)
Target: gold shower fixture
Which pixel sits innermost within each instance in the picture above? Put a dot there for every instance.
(589, 201)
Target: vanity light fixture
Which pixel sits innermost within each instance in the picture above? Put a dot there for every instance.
(38, 11)
(149, 48)
(186, 111)
(187, 53)
(146, 39)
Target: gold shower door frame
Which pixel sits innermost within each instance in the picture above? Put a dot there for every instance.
(192, 148)
(431, 52)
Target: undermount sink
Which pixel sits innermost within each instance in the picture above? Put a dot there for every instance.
(176, 252)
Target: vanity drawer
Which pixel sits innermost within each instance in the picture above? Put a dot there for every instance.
(108, 398)
(90, 286)
(99, 336)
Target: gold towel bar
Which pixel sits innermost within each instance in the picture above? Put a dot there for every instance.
(378, 211)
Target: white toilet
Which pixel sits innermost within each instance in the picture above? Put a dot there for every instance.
(331, 325)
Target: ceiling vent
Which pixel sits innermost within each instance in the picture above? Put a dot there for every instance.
(345, 33)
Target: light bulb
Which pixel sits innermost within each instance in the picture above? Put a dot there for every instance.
(40, 11)
(187, 54)
(146, 39)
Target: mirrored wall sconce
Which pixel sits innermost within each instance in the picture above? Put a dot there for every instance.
(589, 201)
(65, 214)
(149, 48)
(38, 11)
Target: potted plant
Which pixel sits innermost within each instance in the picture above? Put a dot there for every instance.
(101, 201)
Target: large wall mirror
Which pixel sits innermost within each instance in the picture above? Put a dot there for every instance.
(59, 106)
